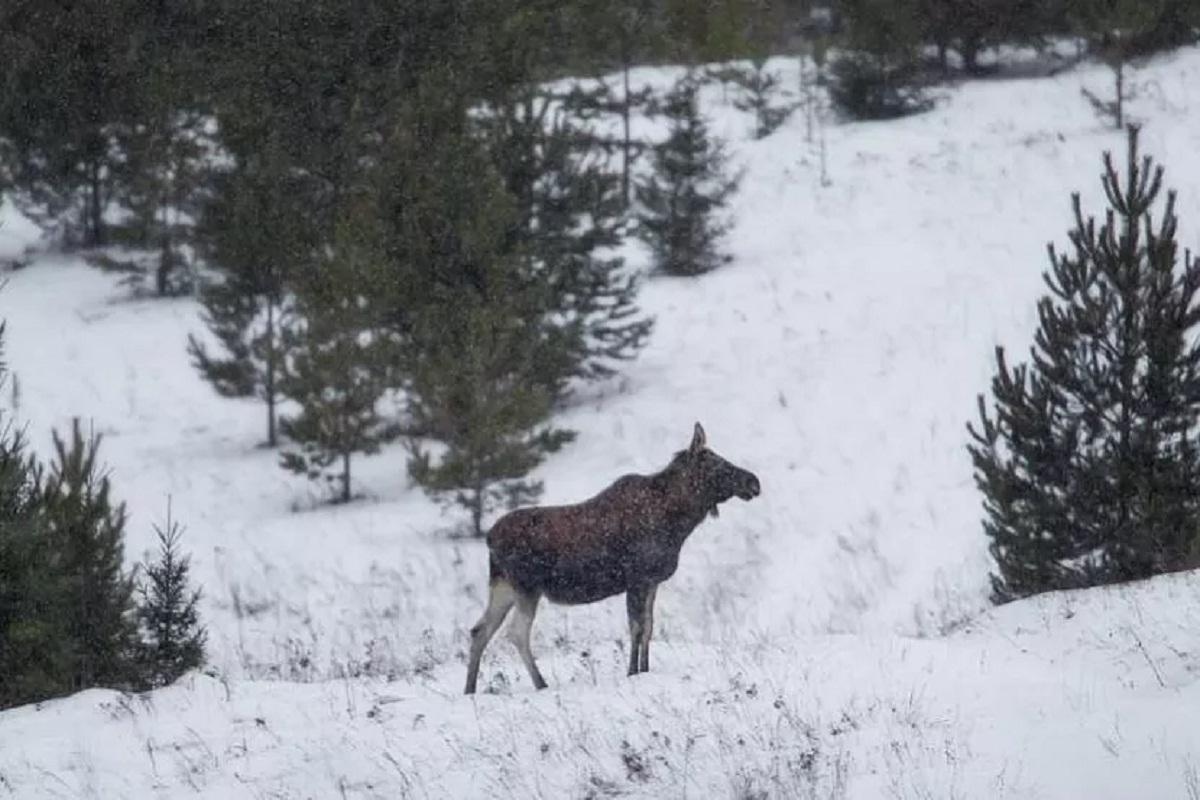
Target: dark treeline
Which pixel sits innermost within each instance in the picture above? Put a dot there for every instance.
(402, 216)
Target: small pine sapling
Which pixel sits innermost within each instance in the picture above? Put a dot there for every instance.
(172, 637)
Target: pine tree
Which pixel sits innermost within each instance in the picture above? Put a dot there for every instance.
(475, 386)
(163, 141)
(68, 86)
(970, 26)
(339, 354)
(476, 343)
(86, 531)
(254, 237)
(876, 73)
(162, 178)
(567, 225)
(1114, 30)
(617, 35)
(172, 637)
(1089, 461)
(760, 88)
(682, 198)
(34, 651)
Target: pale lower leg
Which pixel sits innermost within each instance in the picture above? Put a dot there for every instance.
(500, 600)
(519, 632)
(647, 632)
(635, 606)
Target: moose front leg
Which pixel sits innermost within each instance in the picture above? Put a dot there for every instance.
(647, 629)
(635, 605)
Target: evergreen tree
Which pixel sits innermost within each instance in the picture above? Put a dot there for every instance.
(876, 74)
(68, 86)
(162, 138)
(617, 35)
(475, 385)
(970, 26)
(339, 354)
(707, 32)
(567, 224)
(86, 531)
(760, 88)
(1089, 461)
(172, 637)
(254, 237)
(1177, 24)
(476, 339)
(34, 651)
(1114, 30)
(687, 190)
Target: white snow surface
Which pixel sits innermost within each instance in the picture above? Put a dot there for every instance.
(830, 639)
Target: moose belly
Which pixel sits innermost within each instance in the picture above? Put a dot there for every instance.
(584, 583)
(569, 582)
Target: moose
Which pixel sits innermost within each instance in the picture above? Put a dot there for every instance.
(624, 540)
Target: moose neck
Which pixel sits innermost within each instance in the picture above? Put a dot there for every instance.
(683, 499)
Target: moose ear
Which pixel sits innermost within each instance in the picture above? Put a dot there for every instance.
(699, 440)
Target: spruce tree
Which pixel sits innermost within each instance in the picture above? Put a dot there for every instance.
(255, 237)
(172, 637)
(1089, 460)
(688, 189)
(339, 355)
(34, 646)
(86, 529)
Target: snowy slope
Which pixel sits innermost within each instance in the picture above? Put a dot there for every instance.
(801, 648)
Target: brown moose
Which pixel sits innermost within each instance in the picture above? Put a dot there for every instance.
(625, 539)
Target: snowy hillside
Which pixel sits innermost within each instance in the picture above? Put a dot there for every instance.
(830, 639)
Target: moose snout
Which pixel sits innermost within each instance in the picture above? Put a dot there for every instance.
(750, 488)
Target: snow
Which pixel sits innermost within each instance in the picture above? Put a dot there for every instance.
(830, 639)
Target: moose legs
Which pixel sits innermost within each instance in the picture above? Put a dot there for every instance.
(639, 603)
(518, 632)
(501, 597)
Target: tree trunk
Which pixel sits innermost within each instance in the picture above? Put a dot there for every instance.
(269, 381)
(1120, 75)
(477, 510)
(969, 50)
(345, 476)
(94, 227)
(626, 142)
(165, 264)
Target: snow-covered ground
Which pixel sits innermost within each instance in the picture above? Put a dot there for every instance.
(830, 639)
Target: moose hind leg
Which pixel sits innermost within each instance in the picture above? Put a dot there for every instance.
(500, 599)
(519, 631)
(647, 630)
(635, 605)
